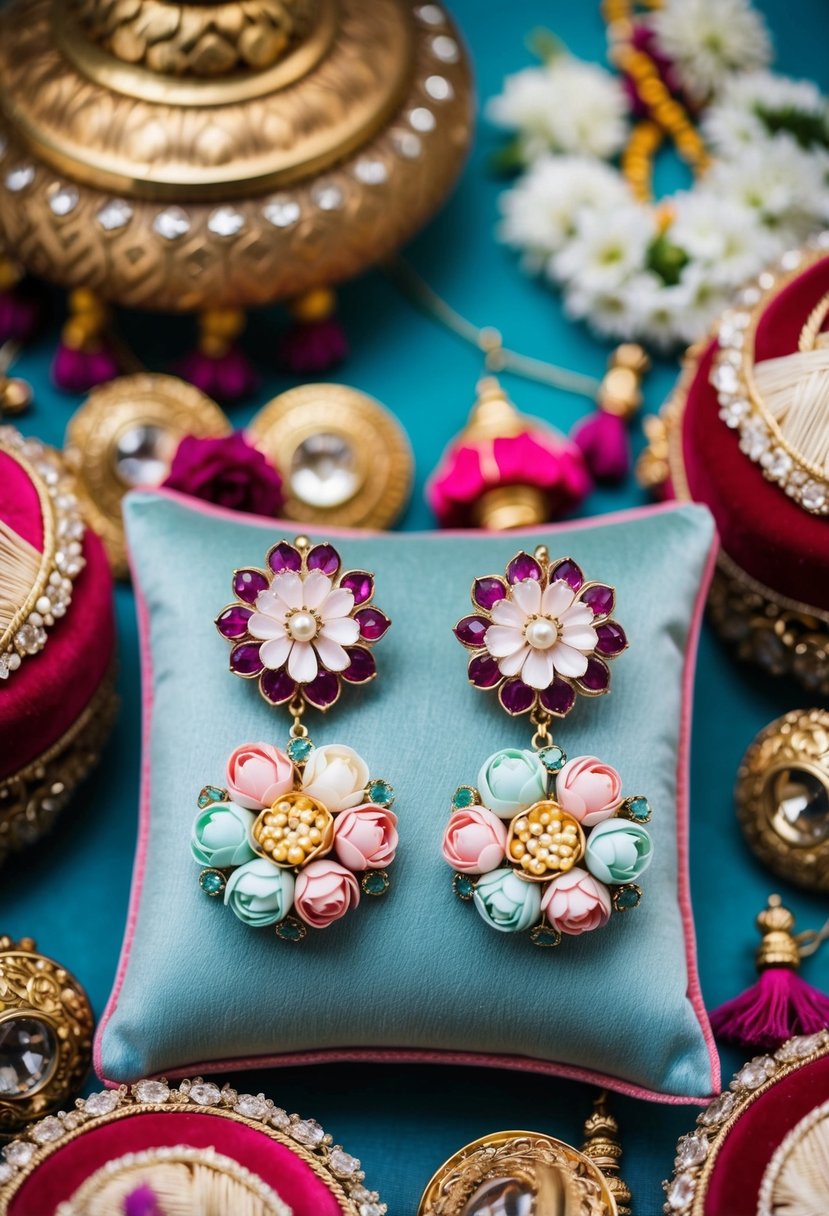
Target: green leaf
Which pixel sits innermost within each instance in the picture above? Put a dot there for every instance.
(507, 160)
(666, 259)
(546, 45)
(807, 128)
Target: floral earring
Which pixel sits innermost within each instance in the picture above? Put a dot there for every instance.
(542, 843)
(294, 836)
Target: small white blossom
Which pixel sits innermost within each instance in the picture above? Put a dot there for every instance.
(784, 186)
(732, 123)
(724, 235)
(607, 247)
(655, 309)
(708, 40)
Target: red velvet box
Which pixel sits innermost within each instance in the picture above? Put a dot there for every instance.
(56, 640)
(771, 592)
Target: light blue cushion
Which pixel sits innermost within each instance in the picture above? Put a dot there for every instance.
(417, 970)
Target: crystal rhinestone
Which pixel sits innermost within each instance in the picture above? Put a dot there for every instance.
(800, 1047)
(372, 1209)
(324, 470)
(209, 794)
(370, 172)
(545, 936)
(813, 496)
(279, 1119)
(791, 259)
(47, 1130)
(19, 178)
(756, 1072)
(143, 455)
(328, 196)
(777, 462)
(375, 882)
(725, 379)
(19, 1152)
(430, 14)
(381, 793)
(765, 280)
(754, 438)
(172, 223)
(102, 1103)
(553, 758)
(626, 898)
(27, 1053)
(407, 144)
(225, 221)
(681, 1192)
(115, 214)
(438, 88)
(734, 412)
(205, 1093)
(151, 1091)
(212, 882)
(343, 1164)
(6, 1172)
(251, 1106)
(64, 200)
(464, 887)
(719, 1109)
(421, 119)
(282, 212)
(359, 1193)
(638, 808)
(445, 49)
(308, 1132)
(691, 1150)
(299, 750)
(463, 796)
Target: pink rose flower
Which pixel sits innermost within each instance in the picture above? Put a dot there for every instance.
(227, 471)
(324, 892)
(588, 790)
(365, 838)
(576, 902)
(258, 774)
(475, 840)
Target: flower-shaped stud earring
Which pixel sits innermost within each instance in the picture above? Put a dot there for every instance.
(293, 837)
(543, 843)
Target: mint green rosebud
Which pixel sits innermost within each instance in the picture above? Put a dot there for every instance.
(507, 902)
(512, 780)
(221, 835)
(260, 893)
(618, 851)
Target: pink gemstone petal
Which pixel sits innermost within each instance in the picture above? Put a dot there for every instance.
(486, 592)
(323, 691)
(597, 677)
(600, 599)
(471, 630)
(567, 571)
(284, 557)
(233, 621)
(559, 698)
(483, 671)
(360, 583)
(373, 623)
(245, 660)
(522, 566)
(277, 686)
(362, 666)
(516, 697)
(611, 639)
(324, 558)
(247, 584)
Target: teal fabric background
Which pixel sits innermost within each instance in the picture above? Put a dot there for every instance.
(71, 891)
(418, 969)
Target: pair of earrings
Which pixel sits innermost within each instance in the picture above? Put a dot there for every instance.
(541, 843)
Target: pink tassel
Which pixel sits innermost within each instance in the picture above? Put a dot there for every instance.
(19, 315)
(603, 440)
(77, 371)
(779, 1005)
(229, 377)
(308, 347)
(142, 1202)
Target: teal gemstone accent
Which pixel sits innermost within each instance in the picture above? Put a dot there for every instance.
(299, 750)
(464, 796)
(211, 794)
(375, 882)
(463, 886)
(638, 809)
(212, 882)
(625, 898)
(553, 758)
(545, 936)
(380, 793)
(290, 930)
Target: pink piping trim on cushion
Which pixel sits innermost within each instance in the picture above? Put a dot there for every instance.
(518, 1063)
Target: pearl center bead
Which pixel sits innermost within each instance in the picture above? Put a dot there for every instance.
(541, 633)
(302, 627)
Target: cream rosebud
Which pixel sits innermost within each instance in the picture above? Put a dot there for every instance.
(588, 790)
(258, 774)
(336, 776)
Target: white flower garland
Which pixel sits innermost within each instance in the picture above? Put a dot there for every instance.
(661, 273)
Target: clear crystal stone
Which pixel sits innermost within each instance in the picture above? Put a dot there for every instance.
(282, 212)
(143, 455)
(359, 1194)
(822, 239)
(799, 1047)
(691, 1150)
(754, 439)
(430, 14)
(791, 259)
(251, 1106)
(725, 378)
(813, 496)
(749, 296)
(27, 1052)
(734, 412)
(438, 88)
(6, 1172)
(777, 462)
(226, 221)
(204, 1093)
(719, 1109)
(115, 214)
(422, 119)
(328, 196)
(756, 1072)
(19, 1152)
(47, 1130)
(445, 49)
(280, 1119)
(64, 200)
(370, 172)
(172, 223)
(324, 471)
(681, 1192)
(408, 144)
(102, 1103)
(151, 1091)
(19, 178)
(765, 281)
(308, 1132)
(342, 1163)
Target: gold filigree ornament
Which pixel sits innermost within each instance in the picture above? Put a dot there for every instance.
(186, 156)
(534, 1174)
(761, 1147)
(125, 435)
(195, 1148)
(782, 797)
(45, 1035)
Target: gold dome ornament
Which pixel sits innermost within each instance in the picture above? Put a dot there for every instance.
(45, 1034)
(782, 796)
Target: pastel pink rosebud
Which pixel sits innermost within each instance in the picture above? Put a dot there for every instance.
(588, 790)
(576, 902)
(258, 774)
(365, 838)
(475, 840)
(324, 892)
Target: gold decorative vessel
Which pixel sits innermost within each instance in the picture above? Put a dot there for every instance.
(184, 156)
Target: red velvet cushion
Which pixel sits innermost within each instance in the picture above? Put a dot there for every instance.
(761, 528)
(41, 700)
(64, 1171)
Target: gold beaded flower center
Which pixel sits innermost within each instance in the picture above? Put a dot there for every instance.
(295, 830)
(543, 841)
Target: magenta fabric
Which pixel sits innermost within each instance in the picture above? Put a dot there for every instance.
(19, 502)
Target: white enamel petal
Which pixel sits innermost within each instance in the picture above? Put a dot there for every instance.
(511, 664)
(501, 640)
(315, 589)
(337, 603)
(331, 654)
(527, 595)
(556, 599)
(538, 669)
(274, 653)
(568, 661)
(577, 614)
(271, 605)
(288, 588)
(264, 627)
(583, 637)
(507, 613)
(302, 663)
(342, 629)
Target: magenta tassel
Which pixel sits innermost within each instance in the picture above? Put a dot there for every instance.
(308, 347)
(778, 1006)
(229, 377)
(603, 440)
(77, 371)
(142, 1203)
(19, 315)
